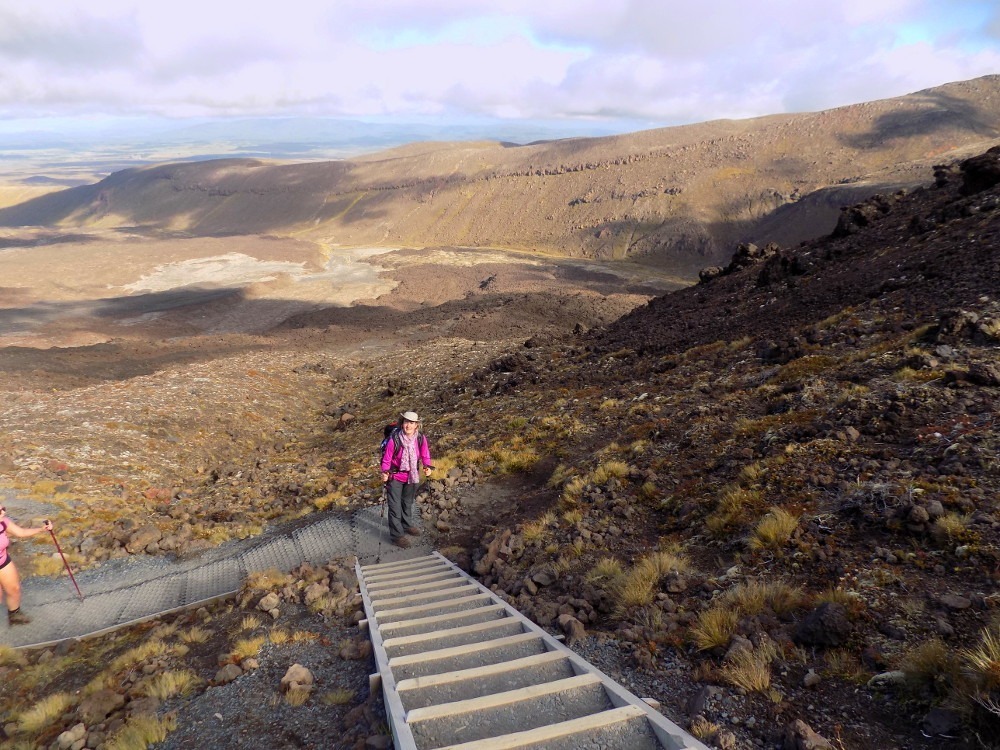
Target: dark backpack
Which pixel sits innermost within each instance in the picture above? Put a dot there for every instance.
(391, 432)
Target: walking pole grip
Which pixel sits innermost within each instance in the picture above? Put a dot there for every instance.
(71, 577)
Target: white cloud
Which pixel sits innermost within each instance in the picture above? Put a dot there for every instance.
(666, 60)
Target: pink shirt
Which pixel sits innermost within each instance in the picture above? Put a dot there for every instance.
(392, 468)
(4, 542)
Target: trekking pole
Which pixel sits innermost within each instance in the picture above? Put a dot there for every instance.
(381, 514)
(71, 577)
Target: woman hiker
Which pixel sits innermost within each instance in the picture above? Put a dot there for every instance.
(405, 452)
(10, 583)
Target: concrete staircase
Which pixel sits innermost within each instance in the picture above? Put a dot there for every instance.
(461, 668)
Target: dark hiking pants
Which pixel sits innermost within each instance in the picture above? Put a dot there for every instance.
(400, 498)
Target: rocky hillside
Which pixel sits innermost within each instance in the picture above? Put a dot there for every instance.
(769, 501)
(679, 197)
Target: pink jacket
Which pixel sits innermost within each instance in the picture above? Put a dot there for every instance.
(392, 466)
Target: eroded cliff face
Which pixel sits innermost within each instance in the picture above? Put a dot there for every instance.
(679, 198)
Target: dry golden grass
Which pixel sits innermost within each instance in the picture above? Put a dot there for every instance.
(573, 517)
(774, 530)
(573, 489)
(266, 580)
(249, 622)
(165, 685)
(49, 565)
(11, 657)
(982, 663)
(142, 731)
(610, 470)
(703, 729)
(194, 634)
(637, 587)
(951, 527)
(536, 531)
(44, 713)
(246, 648)
(297, 696)
(340, 697)
(278, 636)
(843, 664)
(302, 636)
(714, 629)
(733, 504)
(511, 460)
(149, 650)
(605, 569)
(929, 663)
(839, 596)
(750, 669)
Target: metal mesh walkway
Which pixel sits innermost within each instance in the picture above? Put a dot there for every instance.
(123, 592)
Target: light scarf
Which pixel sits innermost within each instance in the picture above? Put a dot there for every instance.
(408, 460)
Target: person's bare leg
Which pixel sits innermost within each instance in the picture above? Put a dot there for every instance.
(10, 583)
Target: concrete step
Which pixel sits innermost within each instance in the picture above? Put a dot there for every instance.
(461, 668)
(508, 712)
(626, 728)
(448, 687)
(457, 636)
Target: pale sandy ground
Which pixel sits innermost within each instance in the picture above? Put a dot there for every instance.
(88, 288)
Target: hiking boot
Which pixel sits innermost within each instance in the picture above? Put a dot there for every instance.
(17, 617)
(401, 542)
(413, 531)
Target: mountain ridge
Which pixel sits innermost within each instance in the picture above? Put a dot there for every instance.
(678, 198)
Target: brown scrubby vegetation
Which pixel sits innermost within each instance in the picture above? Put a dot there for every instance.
(765, 499)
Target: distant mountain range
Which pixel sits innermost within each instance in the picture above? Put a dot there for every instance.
(678, 198)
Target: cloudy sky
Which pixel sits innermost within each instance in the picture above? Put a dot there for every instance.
(661, 61)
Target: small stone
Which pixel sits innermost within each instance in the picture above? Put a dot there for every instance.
(800, 736)
(955, 602)
(811, 679)
(296, 678)
(268, 602)
(887, 679)
(227, 674)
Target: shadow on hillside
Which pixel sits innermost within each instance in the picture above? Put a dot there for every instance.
(941, 113)
(17, 319)
(45, 239)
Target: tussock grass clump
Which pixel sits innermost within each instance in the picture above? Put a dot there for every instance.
(982, 663)
(143, 652)
(266, 580)
(194, 634)
(297, 696)
(249, 622)
(805, 367)
(536, 531)
(44, 713)
(605, 569)
(610, 470)
(142, 731)
(637, 588)
(843, 664)
(714, 629)
(278, 636)
(930, 664)
(340, 697)
(49, 565)
(513, 458)
(750, 669)
(774, 530)
(11, 657)
(951, 527)
(573, 516)
(165, 685)
(572, 490)
(246, 648)
(734, 503)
